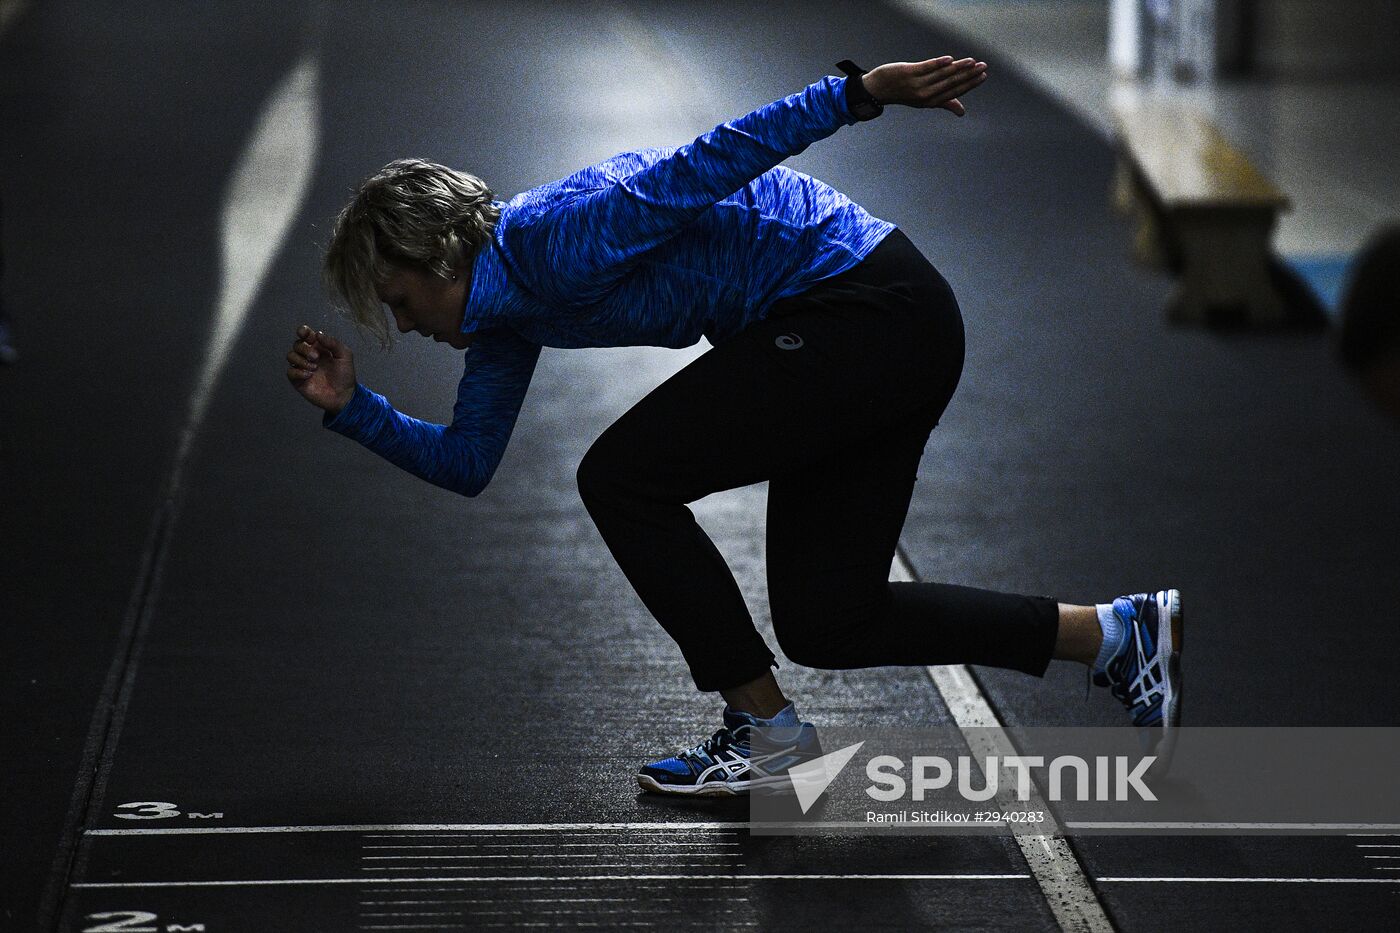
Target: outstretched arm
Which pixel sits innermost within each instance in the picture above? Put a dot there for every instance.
(591, 240)
(461, 456)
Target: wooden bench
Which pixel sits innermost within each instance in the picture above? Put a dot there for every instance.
(1202, 210)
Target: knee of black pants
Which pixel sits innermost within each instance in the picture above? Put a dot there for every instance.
(605, 473)
(815, 629)
(624, 469)
(592, 475)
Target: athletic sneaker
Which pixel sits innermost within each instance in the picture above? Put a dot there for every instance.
(737, 759)
(1144, 673)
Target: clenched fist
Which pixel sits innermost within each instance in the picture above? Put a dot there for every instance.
(937, 82)
(322, 369)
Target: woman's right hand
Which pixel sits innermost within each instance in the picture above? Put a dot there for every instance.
(322, 369)
(937, 82)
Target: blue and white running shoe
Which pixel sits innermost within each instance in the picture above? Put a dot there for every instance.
(739, 758)
(1144, 673)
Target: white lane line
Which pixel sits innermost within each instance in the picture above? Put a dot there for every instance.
(520, 923)
(503, 879)
(646, 920)
(613, 834)
(1057, 871)
(541, 855)
(1164, 880)
(415, 926)
(418, 926)
(512, 909)
(548, 900)
(1373, 845)
(550, 867)
(373, 828)
(553, 888)
(558, 845)
(1143, 824)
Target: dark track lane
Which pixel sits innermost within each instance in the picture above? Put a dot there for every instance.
(119, 130)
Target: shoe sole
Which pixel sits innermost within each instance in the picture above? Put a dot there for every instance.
(1170, 635)
(710, 788)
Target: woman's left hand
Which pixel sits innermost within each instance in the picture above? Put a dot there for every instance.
(938, 82)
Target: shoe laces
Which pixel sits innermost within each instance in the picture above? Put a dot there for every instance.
(705, 751)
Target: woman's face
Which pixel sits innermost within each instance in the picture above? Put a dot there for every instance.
(427, 304)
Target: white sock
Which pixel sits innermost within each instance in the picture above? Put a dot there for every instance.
(1112, 635)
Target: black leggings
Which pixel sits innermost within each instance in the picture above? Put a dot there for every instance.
(830, 398)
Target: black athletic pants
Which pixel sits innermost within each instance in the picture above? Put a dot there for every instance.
(831, 398)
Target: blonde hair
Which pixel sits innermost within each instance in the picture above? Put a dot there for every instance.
(410, 212)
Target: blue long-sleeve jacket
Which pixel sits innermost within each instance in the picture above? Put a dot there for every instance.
(653, 247)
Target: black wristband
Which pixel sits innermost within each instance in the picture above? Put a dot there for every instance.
(859, 101)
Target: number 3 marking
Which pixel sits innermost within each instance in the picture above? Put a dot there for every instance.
(159, 811)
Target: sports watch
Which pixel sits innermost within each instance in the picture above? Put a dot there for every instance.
(859, 101)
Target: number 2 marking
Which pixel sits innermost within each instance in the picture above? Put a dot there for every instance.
(129, 917)
(121, 926)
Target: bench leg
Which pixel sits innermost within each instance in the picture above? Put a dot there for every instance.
(1124, 190)
(1225, 269)
(1131, 197)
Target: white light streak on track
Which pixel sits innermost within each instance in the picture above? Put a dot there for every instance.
(264, 195)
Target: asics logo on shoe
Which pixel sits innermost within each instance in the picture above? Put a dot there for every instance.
(737, 765)
(1148, 682)
(1145, 673)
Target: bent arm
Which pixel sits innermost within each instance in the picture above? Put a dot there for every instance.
(461, 456)
(596, 236)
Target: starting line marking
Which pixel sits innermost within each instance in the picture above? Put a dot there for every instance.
(497, 879)
(411, 828)
(1190, 825)
(1265, 880)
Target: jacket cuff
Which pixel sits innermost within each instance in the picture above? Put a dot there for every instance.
(854, 91)
(842, 97)
(361, 418)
